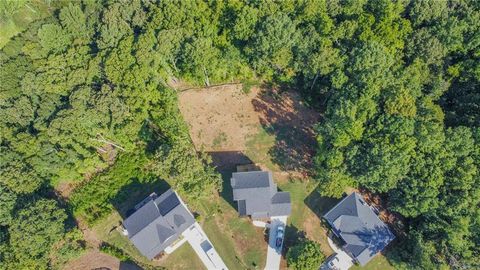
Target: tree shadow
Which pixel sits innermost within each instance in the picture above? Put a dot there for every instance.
(129, 266)
(319, 204)
(283, 115)
(134, 192)
(226, 163)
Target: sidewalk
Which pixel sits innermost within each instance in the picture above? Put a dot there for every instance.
(197, 238)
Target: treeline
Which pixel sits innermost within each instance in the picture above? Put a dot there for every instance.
(397, 82)
(402, 120)
(78, 91)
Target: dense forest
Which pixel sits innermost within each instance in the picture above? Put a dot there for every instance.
(87, 89)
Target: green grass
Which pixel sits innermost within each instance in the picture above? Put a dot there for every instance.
(303, 218)
(238, 242)
(380, 262)
(258, 148)
(183, 258)
(223, 244)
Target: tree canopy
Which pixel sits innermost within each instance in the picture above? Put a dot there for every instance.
(397, 83)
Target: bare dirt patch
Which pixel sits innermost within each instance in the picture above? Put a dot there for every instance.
(97, 260)
(220, 118)
(273, 128)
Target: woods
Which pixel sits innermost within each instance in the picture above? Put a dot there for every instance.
(86, 90)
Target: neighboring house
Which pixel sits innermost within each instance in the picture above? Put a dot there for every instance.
(158, 222)
(359, 227)
(257, 195)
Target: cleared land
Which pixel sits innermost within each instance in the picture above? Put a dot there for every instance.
(220, 118)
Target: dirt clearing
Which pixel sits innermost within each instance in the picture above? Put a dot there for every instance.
(97, 260)
(220, 118)
(273, 128)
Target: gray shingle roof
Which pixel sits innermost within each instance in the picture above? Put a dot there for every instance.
(363, 232)
(158, 223)
(257, 195)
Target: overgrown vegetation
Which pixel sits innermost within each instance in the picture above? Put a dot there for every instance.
(397, 80)
(306, 255)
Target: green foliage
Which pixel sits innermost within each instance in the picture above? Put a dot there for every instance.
(84, 99)
(32, 232)
(306, 255)
(93, 200)
(271, 46)
(7, 203)
(70, 247)
(115, 252)
(188, 172)
(384, 130)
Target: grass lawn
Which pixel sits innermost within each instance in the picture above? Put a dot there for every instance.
(303, 221)
(183, 258)
(240, 244)
(380, 262)
(258, 149)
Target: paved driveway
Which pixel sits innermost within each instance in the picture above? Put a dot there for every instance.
(341, 260)
(203, 247)
(274, 255)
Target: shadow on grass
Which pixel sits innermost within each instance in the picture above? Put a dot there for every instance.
(134, 192)
(293, 236)
(283, 115)
(320, 205)
(129, 266)
(226, 163)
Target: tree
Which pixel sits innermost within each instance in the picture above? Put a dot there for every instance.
(306, 255)
(7, 204)
(33, 230)
(271, 46)
(192, 175)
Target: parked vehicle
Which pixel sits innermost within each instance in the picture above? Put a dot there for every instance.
(279, 237)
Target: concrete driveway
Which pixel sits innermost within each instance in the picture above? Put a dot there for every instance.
(197, 238)
(339, 261)
(274, 255)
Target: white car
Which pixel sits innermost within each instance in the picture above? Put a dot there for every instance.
(333, 263)
(279, 237)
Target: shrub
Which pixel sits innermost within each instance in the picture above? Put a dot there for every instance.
(306, 255)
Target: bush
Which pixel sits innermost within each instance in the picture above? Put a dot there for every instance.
(115, 252)
(72, 246)
(306, 255)
(93, 200)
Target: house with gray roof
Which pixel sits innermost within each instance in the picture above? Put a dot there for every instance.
(359, 227)
(257, 195)
(157, 223)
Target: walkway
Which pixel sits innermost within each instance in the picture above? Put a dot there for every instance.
(203, 247)
(340, 260)
(273, 255)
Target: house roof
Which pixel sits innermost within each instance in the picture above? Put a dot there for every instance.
(257, 195)
(158, 223)
(363, 232)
